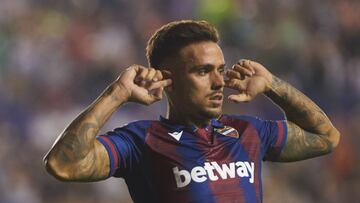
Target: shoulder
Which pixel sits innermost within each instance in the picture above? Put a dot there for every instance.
(131, 134)
(260, 125)
(133, 129)
(244, 119)
(139, 125)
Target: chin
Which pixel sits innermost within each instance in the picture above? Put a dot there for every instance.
(212, 113)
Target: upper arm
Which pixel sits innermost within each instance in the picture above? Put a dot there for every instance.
(105, 158)
(95, 166)
(92, 167)
(301, 144)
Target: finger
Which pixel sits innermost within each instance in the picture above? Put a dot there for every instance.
(243, 97)
(162, 83)
(248, 65)
(158, 76)
(157, 93)
(166, 74)
(249, 71)
(241, 62)
(141, 75)
(244, 72)
(149, 78)
(130, 72)
(150, 74)
(233, 74)
(236, 84)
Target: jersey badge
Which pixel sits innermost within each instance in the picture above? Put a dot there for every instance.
(228, 131)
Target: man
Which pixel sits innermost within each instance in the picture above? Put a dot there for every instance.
(196, 154)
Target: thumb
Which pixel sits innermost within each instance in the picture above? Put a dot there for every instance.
(236, 84)
(157, 93)
(242, 97)
(160, 84)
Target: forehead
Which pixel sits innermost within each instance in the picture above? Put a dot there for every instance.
(202, 53)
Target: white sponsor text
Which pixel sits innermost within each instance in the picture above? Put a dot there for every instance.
(213, 171)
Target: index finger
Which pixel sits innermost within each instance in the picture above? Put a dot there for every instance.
(166, 74)
(248, 64)
(161, 83)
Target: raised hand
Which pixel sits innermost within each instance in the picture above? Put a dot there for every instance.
(249, 78)
(143, 85)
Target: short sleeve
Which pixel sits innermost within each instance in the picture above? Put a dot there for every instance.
(125, 147)
(272, 134)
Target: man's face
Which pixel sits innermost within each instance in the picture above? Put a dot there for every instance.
(198, 80)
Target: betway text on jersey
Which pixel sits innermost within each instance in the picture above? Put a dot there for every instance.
(213, 171)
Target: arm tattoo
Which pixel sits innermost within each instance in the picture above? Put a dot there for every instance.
(310, 132)
(77, 153)
(302, 145)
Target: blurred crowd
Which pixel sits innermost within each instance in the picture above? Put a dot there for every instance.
(56, 57)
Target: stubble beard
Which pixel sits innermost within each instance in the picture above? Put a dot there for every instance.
(210, 114)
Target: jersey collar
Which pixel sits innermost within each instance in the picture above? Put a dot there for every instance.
(214, 123)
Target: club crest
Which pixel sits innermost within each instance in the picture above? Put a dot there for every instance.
(228, 131)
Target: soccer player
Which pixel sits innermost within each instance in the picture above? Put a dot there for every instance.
(196, 153)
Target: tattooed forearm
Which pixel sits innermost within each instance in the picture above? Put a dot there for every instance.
(302, 145)
(298, 107)
(310, 132)
(76, 155)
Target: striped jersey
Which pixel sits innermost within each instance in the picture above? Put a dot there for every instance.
(162, 161)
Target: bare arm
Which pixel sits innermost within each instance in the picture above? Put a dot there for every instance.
(310, 132)
(77, 155)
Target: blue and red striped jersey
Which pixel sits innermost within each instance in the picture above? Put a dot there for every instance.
(162, 161)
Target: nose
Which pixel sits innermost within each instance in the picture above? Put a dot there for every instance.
(217, 80)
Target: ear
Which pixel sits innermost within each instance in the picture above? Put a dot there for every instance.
(168, 75)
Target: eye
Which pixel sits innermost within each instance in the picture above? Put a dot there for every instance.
(222, 70)
(202, 71)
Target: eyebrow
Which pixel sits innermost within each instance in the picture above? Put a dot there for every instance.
(194, 68)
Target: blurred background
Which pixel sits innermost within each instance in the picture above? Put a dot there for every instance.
(56, 57)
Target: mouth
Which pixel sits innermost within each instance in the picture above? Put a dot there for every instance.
(216, 99)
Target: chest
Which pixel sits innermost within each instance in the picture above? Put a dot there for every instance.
(208, 159)
(187, 149)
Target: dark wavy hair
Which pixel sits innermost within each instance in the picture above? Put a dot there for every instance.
(170, 38)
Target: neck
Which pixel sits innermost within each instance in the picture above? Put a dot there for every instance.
(182, 118)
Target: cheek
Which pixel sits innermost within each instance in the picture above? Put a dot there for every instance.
(192, 88)
(198, 89)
